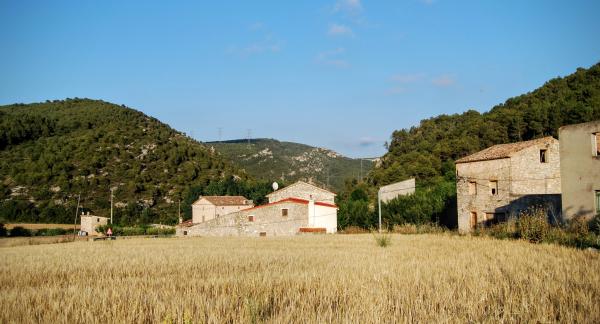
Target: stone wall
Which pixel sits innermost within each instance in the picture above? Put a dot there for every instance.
(530, 176)
(481, 200)
(303, 191)
(389, 192)
(266, 219)
(204, 211)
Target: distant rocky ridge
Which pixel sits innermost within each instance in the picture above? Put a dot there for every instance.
(270, 159)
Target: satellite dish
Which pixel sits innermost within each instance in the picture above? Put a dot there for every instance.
(275, 186)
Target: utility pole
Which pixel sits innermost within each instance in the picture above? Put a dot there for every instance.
(220, 133)
(249, 134)
(379, 203)
(361, 168)
(111, 206)
(179, 211)
(76, 212)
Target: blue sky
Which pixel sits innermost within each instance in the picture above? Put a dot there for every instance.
(338, 74)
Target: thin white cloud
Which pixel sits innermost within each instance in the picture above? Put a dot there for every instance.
(333, 57)
(348, 6)
(339, 30)
(267, 45)
(259, 25)
(443, 80)
(407, 78)
(401, 83)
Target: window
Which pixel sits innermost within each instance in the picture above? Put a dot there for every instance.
(284, 212)
(97, 220)
(543, 158)
(262, 234)
(494, 187)
(596, 144)
(472, 188)
(184, 232)
(251, 218)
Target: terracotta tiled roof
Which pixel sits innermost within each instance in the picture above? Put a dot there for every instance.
(502, 151)
(227, 200)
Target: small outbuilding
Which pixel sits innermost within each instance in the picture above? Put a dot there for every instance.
(90, 224)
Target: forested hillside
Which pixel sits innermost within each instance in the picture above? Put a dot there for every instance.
(271, 159)
(429, 150)
(51, 152)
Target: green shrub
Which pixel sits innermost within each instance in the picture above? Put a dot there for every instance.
(594, 224)
(51, 231)
(383, 239)
(533, 225)
(19, 231)
(160, 231)
(504, 230)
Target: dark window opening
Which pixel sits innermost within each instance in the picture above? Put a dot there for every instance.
(184, 232)
(251, 218)
(284, 212)
(98, 220)
(494, 187)
(263, 234)
(543, 158)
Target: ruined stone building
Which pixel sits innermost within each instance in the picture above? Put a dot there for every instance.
(298, 208)
(503, 180)
(580, 169)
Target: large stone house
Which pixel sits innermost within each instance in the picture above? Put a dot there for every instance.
(503, 180)
(287, 213)
(210, 207)
(580, 169)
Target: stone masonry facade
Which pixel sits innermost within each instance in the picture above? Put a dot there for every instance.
(501, 185)
(302, 190)
(257, 221)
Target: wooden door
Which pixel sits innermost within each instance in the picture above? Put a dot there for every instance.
(473, 220)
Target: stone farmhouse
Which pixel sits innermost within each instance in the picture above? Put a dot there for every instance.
(503, 180)
(90, 224)
(298, 208)
(580, 169)
(211, 207)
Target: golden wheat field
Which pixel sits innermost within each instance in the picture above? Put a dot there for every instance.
(334, 278)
